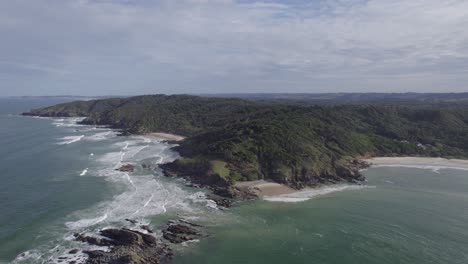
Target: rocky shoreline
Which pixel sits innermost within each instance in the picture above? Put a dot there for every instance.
(226, 193)
(140, 244)
(130, 245)
(135, 247)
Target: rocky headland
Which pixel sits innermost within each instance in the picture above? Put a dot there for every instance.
(232, 141)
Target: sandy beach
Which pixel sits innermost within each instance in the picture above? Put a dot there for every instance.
(265, 188)
(419, 162)
(165, 136)
(275, 192)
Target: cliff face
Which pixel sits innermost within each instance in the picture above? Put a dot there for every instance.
(232, 140)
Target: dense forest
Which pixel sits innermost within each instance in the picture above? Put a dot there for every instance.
(232, 140)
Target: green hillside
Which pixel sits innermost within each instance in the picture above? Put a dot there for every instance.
(233, 139)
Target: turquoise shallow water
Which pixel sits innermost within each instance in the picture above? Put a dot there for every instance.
(58, 178)
(411, 216)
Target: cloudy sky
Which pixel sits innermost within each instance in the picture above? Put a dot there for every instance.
(124, 47)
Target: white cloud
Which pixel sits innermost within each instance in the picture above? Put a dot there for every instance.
(170, 46)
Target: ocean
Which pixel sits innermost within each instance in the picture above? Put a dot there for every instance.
(58, 178)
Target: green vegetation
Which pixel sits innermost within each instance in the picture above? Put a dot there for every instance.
(233, 140)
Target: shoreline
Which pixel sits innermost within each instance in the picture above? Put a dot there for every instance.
(164, 136)
(265, 188)
(276, 192)
(418, 162)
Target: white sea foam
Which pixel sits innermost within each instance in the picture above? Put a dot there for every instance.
(101, 136)
(70, 139)
(145, 195)
(39, 117)
(83, 173)
(29, 255)
(308, 194)
(67, 122)
(141, 195)
(86, 222)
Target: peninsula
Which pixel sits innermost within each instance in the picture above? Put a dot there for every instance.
(228, 140)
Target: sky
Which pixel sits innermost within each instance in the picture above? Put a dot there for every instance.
(127, 47)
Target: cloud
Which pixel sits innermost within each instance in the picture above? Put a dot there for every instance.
(196, 46)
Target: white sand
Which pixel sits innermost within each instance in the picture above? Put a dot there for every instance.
(165, 136)
(419, 162)
(275, 192)
(265, 188)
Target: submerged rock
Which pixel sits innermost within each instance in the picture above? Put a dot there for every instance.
(181, 231)
(73, 251)
(128, 246)
(131, 221)
(126, 168)
(147, 228)
(220, 201)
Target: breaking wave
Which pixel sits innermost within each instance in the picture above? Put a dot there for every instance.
(83, 173)
(138, 195)
(70, 139)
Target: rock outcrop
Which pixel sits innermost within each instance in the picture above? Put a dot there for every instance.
(234, 192)
(127, 246)
(220, 201)
(181, 231)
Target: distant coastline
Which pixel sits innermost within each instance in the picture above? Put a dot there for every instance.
(419, 162)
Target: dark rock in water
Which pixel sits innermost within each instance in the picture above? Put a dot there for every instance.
(235, 193)
(148, 165)
(192, 185)
(181, 231)
(189, 223)
(147, 228)
(93, 240)
(131, 221)
(126, 168)
(128, 246)
(220, 201)
(124, 133)
(73, 251)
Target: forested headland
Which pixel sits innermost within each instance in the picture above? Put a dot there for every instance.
(299, 144)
